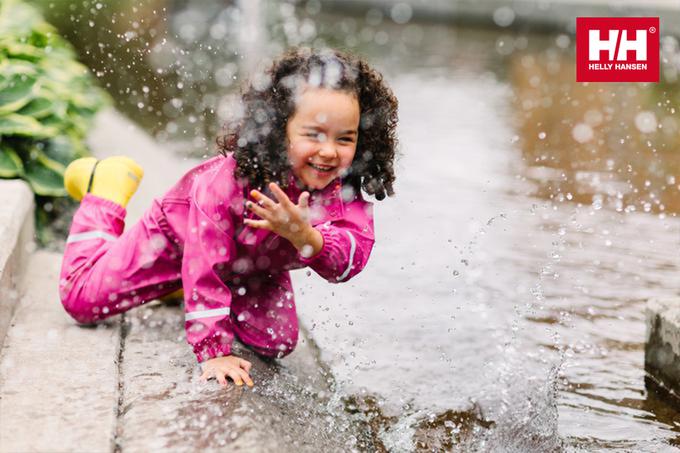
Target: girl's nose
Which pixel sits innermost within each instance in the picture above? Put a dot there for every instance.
(328, 150)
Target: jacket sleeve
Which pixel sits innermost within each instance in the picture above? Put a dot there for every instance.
(347, 244)
(208, 247)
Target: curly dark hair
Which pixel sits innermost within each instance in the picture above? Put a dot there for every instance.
(257, 134)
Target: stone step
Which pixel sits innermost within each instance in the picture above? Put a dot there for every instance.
(16, 242)
(58, 381)
(662, 348)
(133, 386)
(165, 406)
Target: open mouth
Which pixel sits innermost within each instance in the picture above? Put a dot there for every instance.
(322, 168)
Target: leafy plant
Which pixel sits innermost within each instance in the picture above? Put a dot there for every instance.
(47, 100)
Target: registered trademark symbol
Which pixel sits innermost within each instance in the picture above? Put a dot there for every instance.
(652, 29)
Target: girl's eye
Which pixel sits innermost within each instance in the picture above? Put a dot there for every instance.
(321, 136)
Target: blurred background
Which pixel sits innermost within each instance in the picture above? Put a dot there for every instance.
(503, 307)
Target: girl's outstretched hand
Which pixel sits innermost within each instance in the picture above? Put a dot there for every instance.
(220, 367)
(287, 219)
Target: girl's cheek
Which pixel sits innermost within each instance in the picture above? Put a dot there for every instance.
(305, 152)
(348, 157)
(296, 153)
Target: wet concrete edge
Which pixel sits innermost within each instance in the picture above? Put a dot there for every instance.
(662, 348)
(57, 378)
(16, 239)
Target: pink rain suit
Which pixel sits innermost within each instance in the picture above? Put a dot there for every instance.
(235, 277)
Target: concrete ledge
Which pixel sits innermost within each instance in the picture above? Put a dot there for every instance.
(662, 349)
(58, 381)
(164, 406)
(16, 242)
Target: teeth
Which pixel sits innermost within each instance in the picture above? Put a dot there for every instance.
(321, 168)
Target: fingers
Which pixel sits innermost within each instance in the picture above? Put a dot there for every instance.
(245, 365)
(280, 194)
(258, 223)
(246, 378)
(217, 374)
(261, 198)
(277, 214)
(236, 376)
(304, 200)
(259, 210)
(221, 379)
(237, 369)
(208, 372)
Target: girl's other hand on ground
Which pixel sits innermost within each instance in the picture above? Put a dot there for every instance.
(221, 367)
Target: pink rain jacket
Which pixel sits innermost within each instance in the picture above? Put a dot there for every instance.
(204, 212)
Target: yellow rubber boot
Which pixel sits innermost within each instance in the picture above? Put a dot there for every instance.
(77, 176)
(174, 298)
(115, 178)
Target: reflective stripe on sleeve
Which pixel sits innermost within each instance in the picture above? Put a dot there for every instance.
(351, 256)
(90, 235)
(206, 313)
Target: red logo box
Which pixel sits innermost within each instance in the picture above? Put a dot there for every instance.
(617, 49)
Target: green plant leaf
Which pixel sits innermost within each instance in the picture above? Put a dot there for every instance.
(45, 176)
(63, 124)
(62, 149)
(47, 100)
(10, 67)
(10, 163)
(16, 93)
(64, 70)
(24, 51)
(25, 126)
(39, 107)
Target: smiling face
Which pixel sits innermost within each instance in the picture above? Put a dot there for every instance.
(322, 135)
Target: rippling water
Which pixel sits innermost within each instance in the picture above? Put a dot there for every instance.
(503, 306)
(479, 291)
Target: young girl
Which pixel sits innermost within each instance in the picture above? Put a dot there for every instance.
(285, 192)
